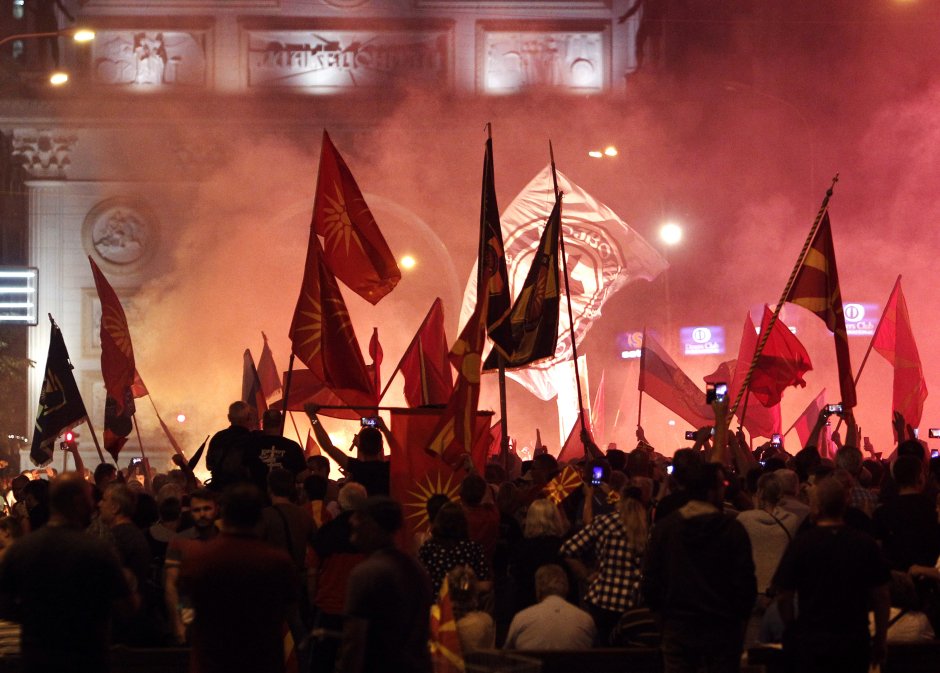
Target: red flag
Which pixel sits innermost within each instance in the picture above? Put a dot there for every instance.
(251, 387)
(446, 652)
(564, 484)
(268, 374)
(573, 448)
(117, 365)
(816, 288)
(661, 379)
(807, 420)
(375, 352)
(496, 439)
(781, 364)
(894, 340)
(597, 409)
(354, 248)
(425, 365)
(305, 388)
(417, 475)
(322, 334)
(498, 299)
(759, 420)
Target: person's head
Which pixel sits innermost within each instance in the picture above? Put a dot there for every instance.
(272, 422)
(544, 467)
(806, 461)
(462, 584)
(616, 458)
(769, 490)
(241, 508)
(542, 519)
(849, 458)
(450, 523)
(117, 504)
(105, 473)
(912, 447)
(494, 473)
(351, 496)
(789, 482)
(682, 461)
(36, 493)
(831, 498)
(319, 465)
(71, 501)
(370, 444)
(634, 517)
(550, 580)
(170, 509)
(507, 498)
(10, 530)
(638, 463)
(203, 508)
(706, 482)
(909, 472)
(375, 523)
(433, 505)
(18, 485)
(281, 484)
(315, 487)
(472, 490)
(240, 414)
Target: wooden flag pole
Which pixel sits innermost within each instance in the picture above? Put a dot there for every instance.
(94, 436)
(166, 430)
(765, 334)
(397, 369)
(284, 399)
(564, 267)
(639, 410)
(294, 423)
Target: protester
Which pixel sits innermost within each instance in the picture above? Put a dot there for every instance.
(273, 449)
(369, 468)
(64, 586)
(540, 546)
(229, 457)
(553, 623)
(242, 590)
(906, 525)
(475, 627)
(450, 546)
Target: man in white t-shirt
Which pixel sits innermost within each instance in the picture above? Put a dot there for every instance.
(553, 623)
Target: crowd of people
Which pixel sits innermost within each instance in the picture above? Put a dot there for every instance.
(277, 562)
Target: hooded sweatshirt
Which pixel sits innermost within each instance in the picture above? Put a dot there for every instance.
(770, 533)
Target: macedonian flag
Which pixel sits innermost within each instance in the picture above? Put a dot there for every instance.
(816, 288)
(353, 247)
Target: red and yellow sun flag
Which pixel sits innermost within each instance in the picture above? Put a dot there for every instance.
(322, 334)
(354, 248)
(563, 485)
(446, 653)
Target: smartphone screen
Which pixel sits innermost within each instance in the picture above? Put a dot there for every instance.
(597, 475)
(368, 421)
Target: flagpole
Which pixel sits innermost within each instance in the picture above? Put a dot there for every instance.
(765, 334)
(639, 411)
(564, 267)
(94, 436)
(166, 430)
(290, 375)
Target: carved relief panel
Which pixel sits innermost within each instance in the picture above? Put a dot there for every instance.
(151, 58)
(511, 61)
(338, 60)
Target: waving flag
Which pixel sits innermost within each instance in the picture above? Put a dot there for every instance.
(60, 404)
(781, 364)
(498, 300)
(816, 288)
(603, 255)
(322, 334)
(117, 365)
(533, 319)
(354, 248)
(251, 387)
(425, 365)
(894, 340)
(661, 379)
(268, 374)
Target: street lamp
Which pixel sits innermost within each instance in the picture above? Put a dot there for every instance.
(80, 35)
(670, 233)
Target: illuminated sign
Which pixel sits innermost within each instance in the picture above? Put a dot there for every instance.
(861, 319)
(18, 295)
(702, 340)
(630, 345)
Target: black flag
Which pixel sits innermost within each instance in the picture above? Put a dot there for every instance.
(60, 404)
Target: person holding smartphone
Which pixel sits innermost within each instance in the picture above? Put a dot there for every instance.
(369, 467)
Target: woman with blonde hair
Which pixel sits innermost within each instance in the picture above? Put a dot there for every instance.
(542, 537)
(617, 541)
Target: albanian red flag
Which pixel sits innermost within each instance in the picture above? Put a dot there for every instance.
(425, 365)
(894, 340)
(354, 248)
(816, 288)
(322, 334)
(781, 364)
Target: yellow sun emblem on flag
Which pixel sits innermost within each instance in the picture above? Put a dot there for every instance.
(337, 223)
(114, 324)
(561, 486)
(313, 324)
(416, 501)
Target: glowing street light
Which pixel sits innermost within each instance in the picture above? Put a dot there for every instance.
(408, 262)
(58, 78)
(596, 154)
(670, 233)
(610, 151)
(181, 418)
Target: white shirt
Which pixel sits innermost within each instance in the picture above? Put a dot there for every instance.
(553, 624)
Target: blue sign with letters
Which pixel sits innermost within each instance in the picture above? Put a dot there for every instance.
(702, 340)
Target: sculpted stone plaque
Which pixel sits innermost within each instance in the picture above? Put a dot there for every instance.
(517, 60)
(121, 233)
(151, 58)
(340, 60)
